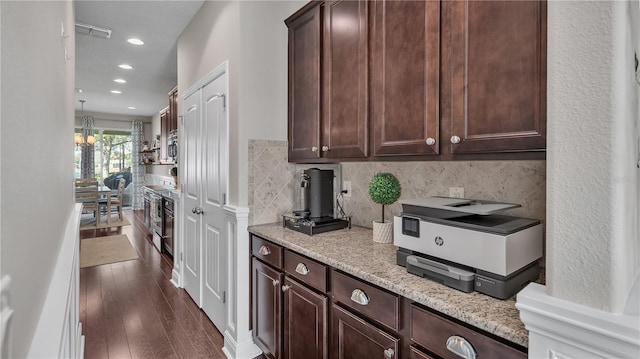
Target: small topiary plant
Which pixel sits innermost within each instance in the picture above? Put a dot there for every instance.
(384, 189)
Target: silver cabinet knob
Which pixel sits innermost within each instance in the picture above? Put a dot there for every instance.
(360, 297)
(193, 210)
(430, 141)
(285, 288)
(455, 139)
(389, 353)
(302, 269)
(461, 347)
(314, 149)
(264, 250)
(325, 148)
(275, 282)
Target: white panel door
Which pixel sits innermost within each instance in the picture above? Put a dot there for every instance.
(191, 129)
(214, 167)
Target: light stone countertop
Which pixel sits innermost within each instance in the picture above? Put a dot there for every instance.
(353, 251)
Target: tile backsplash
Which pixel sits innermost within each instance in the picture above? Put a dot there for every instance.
(272, 188)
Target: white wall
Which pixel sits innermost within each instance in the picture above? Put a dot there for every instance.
(252, 36)
(593, 254)
(37, 88)
(263, 77)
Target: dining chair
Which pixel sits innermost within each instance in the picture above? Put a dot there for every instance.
(117, 200)
(83, 182)
(88, 196)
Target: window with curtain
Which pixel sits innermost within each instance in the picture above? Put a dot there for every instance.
(112, 153)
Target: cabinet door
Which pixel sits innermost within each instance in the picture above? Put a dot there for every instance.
(353, 338)
(405, 77)
(344, 109)
(418, 354)
(304, 85)
(305, 322)
(173, 110)
(267, 299)
(498, 69)
(164, 133)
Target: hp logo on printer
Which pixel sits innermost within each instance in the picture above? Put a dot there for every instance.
(439, 241)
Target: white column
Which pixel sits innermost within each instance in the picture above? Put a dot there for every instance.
(238, 339)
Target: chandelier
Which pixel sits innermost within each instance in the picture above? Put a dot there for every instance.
(86, 138)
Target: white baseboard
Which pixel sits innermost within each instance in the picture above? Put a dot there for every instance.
(246, 350)
(175, 277)
(562, 329)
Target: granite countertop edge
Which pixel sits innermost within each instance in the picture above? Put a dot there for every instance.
(498, 317)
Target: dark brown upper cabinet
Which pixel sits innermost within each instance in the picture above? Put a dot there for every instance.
(498, 76)
(438, 80)
(304, 83)
(328, 66)
(405, 67)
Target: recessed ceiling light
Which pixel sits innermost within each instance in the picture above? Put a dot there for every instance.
(120, 81)
(131, 108)
(116, 92)
(134, 41)
(125, 66)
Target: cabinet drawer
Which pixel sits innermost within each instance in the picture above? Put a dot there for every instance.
(432, 332)
(266, 251)
(306, 270)
(374, 303)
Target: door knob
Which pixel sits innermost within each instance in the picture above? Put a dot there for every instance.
(455, 139)
(314, 149)
(275, 282)
(430, 141)
(389, 353)
(325, 148)
(285, 288)
(193, 210)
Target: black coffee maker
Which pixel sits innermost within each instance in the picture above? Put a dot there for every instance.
(316, 203)
(316, 194)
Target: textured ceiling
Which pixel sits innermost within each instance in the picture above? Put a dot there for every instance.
(158, 24)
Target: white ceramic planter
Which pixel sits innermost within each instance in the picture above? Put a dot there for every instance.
(383, 232)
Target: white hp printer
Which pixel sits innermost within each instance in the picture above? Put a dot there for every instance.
(465, 244)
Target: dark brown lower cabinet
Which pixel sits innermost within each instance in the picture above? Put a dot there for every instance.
(267, 318)
(353, 338)
(418, 354)
(305, 322)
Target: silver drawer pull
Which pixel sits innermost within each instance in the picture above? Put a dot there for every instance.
(264, 250)
(302, 269)
(461, 347)
(389, 353)
(360, 297)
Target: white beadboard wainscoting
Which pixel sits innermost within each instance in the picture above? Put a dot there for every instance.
(560, 329)
(59, 331)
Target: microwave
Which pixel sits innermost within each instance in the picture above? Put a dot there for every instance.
(172, 147)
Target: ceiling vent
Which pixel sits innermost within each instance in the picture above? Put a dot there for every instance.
(93, 30)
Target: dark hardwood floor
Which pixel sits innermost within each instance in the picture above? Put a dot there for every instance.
(131, 310)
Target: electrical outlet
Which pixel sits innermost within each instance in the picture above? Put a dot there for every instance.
(456, 192)
(346, 186)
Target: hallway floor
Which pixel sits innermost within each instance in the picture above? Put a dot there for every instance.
(131, 310)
